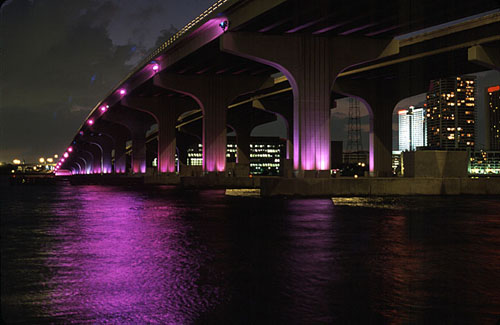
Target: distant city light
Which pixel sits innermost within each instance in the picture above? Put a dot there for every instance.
(70, 149)
(123, 91)
(104, 108)
(90, 122)
(62, 159)
(41, 160)
(16, 161)
(50, 160)
(66, 155)
(56, 156)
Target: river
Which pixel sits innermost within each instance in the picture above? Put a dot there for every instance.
(96, 254)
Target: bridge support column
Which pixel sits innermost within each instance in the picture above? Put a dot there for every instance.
(137, 123)
(242, 167)
(213, 93)
(120, 157)
(105, 144)
(380, 99)
(96, 152)
(165, 110)
(311, 65)
(111, 136)
(87, 157)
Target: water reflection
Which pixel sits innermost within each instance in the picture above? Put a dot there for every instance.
(126, 259)
(94, 254)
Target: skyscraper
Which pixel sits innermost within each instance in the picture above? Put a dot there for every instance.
(412, 129)
(451, 113)
(493, 113)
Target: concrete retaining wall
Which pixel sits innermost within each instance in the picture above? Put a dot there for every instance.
(379, 186)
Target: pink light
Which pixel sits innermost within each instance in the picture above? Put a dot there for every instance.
(66, 155)
(62, 159)
(81, 132)
(123, 92)
(90, 122)
(70, 149)
(104, 108)
(156, 67)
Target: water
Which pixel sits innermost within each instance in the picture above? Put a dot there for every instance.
(95, 254)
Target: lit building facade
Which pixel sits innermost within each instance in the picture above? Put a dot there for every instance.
(485, 163)
(451, 113)
(267, 155)
(195, 155)
(412, 128)
(493, 112)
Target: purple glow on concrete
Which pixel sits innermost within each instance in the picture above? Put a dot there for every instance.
(382, 30)
(327, 29)
(122, 92)
(276, 24)
(298, 28)
(66, 155)
(353, 30)
(90, 122)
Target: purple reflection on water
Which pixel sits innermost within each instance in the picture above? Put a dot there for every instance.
(126, 259)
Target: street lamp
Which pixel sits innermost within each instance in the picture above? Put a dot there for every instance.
(41, 160)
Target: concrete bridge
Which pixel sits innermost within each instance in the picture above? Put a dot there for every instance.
(242, 63)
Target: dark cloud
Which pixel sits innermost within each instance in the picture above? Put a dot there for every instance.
(59, 58)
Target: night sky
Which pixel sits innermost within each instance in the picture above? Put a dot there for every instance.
(59, 58)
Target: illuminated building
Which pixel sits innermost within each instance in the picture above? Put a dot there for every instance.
(267, 155)
(451, 113)
(493, 113)
(485, 163)
(412, 129)
(195, 155)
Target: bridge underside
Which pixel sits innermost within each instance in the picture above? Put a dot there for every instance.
(282, 58)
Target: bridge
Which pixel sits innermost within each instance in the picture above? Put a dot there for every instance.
(243, 63)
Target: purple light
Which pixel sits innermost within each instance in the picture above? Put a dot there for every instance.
(156, 67)
(81, 132)
(123, 92)
(62, 159)
(70, 149)
(90, 122)
(66, 155)
(104, 108)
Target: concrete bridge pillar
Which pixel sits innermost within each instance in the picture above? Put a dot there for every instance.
(165, 110)
(282, 106)
(242, 120)
(96, 152)
(119, 135)
(213, 93)
(138, 124)
(380, 98)
(80, 162)
(106, 144)
(87, 157)
(311, 65)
